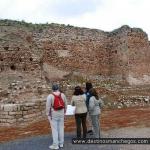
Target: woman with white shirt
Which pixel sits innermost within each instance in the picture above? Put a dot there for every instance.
(79, 100)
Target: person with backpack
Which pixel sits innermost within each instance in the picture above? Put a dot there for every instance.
(88, 86)
(79, 101)
(56, 105)
(95, 105)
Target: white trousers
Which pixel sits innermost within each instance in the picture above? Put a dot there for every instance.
(57, 127)
(96, 125)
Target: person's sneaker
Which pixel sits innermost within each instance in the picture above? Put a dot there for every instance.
(53, 147)
(89, 131)
(61, 145)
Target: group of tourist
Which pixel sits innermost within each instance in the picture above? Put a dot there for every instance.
(87, 111)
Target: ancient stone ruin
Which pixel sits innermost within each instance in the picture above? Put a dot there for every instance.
(32, 56)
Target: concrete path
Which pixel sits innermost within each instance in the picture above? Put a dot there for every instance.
(42, 142)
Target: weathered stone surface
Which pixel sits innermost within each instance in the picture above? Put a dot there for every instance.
(33, 57)
(120, 53)
(21, 113)
(10, 107)
(15, 113)
(30, 116)
(11, 121)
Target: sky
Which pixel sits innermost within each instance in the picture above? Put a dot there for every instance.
(105, 15)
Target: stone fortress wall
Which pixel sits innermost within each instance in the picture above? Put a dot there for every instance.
(31, 56)
(21, 114)
(121, 53)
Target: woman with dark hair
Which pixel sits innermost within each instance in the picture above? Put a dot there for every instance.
(95, 104)
(79, 100)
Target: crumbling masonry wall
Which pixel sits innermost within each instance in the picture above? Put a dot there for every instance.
(130, 52)
(21, 114)
(18, 54)
(32, 55)
(121, 54)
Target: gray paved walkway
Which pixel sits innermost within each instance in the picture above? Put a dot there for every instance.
(42, 142)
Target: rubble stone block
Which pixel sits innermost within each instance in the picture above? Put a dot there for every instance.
(29, 116)
(3, 120)
(24, 112)
(29, 104)
(7, 117)
(15, 113)
(10, 107)
(20, 120)
(11, 121)
(1, 107)
(4, 124)
(4, 113)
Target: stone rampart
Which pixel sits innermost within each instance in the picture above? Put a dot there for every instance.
(20, 114)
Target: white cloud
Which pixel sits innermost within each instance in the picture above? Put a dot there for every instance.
(73, 8)
(116, 13)
(45, 10)
(102, 14)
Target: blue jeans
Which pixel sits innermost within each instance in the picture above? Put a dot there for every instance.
(57, 127)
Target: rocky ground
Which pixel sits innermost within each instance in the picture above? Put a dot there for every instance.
(110, 119)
